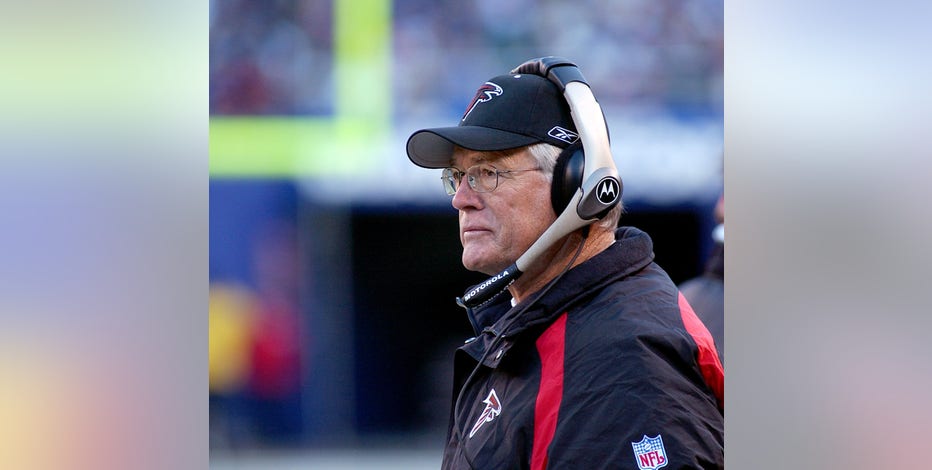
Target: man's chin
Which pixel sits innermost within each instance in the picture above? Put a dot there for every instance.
(482, 265)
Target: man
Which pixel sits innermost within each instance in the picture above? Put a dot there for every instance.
(706, 292)
(592, 358)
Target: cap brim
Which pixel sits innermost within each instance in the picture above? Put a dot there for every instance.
(433, 148)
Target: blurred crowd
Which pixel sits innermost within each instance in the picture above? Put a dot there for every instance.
(255, 342)
(274, 57)
(270, 57)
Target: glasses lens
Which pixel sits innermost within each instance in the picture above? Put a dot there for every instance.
(449, 178)
(483, 178)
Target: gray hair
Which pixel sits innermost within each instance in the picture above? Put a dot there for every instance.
(546, 155)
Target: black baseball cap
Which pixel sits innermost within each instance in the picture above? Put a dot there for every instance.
(508, 111)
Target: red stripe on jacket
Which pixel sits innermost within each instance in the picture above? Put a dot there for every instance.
(709, 364)
(550, 346)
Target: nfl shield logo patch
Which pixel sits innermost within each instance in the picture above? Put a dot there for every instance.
(649, 453)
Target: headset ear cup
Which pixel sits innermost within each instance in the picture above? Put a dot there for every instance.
(567, 176)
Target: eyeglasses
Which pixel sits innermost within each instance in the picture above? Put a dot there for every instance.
(482, 178)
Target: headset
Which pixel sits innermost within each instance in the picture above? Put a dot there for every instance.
(585, 184)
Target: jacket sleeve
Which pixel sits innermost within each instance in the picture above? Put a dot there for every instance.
(635, 402)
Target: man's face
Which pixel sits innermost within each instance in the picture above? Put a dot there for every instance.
(497, 227)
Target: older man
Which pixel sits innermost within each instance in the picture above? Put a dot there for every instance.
(591, 358)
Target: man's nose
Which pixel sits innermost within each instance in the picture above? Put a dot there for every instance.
(465, 196)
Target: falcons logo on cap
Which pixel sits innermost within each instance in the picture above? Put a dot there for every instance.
(493, 408)
(485, 93)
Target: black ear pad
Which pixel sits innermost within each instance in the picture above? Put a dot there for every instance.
(567, 176)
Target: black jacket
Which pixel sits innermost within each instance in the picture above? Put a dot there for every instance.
(609, 368)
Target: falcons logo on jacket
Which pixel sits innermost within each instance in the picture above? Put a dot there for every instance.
(493, 408)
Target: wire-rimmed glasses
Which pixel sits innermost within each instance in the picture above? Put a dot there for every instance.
(482, 178)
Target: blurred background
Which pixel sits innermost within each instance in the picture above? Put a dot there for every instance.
(334, 261)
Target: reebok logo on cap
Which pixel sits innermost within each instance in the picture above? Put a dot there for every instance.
(565, 135)
(485, 93)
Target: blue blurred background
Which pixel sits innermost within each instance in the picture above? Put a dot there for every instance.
(334, 261)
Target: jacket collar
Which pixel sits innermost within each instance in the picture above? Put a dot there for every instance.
(631, 252)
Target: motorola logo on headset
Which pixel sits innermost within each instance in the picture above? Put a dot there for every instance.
(607, 191)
